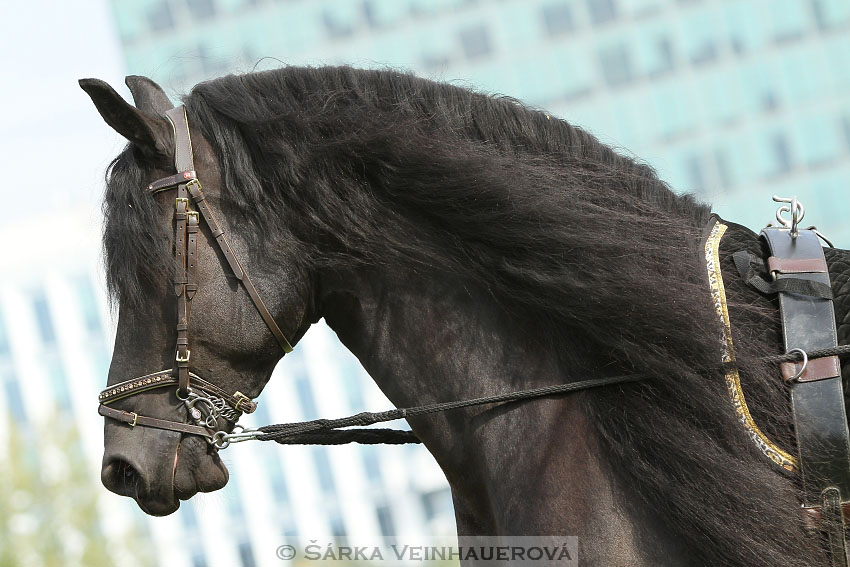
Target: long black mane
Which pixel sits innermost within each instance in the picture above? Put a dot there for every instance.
(378, 167)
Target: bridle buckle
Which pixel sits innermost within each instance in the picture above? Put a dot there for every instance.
(135, 419)
(179, 358)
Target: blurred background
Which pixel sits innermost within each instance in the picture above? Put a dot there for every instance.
(734, 100)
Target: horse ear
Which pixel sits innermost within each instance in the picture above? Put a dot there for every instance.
(151, 134)
(148, 95)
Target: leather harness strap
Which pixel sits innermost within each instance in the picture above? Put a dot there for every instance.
(817, 399)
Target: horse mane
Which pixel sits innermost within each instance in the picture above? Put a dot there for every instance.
(337, 165)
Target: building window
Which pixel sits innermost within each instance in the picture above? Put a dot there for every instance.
(385, 520)
(323, 470)
(334, 27)
(43, 319)
(724, 173)
(558, 19)
(437, 504)
(781, 151)
(88, 305)
(14, 399)
(201, 9)
(337, 526)
(845, 129)
(160, 17)
(662, 57)
(246, 554)
(58, 382)
(475, 41)
(705, 53)
(187, 513)
(371, 14)
(696, 175)
(769, 101)
(601, 11)
(371, 464)
(616, 65)
(305, 398)
(828, 14)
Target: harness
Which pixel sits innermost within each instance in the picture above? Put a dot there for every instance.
(799, 276)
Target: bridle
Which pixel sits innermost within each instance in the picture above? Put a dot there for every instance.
(205, 402)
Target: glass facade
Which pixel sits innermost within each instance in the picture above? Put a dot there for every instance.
(735, 100)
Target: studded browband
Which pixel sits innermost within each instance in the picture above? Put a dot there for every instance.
(217, 402)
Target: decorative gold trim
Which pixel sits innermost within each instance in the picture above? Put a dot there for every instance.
(733, 380)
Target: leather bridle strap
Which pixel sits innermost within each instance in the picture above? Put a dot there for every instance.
(134, 419)
(238, 401)
(186, 181)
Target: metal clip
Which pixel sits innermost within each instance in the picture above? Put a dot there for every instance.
(795, 208)
(240, 397)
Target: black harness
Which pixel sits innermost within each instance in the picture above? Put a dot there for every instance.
(815, 385)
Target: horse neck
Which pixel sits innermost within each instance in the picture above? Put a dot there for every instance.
(530, 467)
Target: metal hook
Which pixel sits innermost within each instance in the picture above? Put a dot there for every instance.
(795, 208)
(799, 373)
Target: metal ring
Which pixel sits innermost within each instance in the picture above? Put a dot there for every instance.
(218, 440)
(183, 399)
(796, 376)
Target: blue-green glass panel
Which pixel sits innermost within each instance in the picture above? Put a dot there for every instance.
(820, 139)
(743, 24)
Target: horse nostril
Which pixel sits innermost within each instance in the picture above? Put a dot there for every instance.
(128, 471)
(120, 477)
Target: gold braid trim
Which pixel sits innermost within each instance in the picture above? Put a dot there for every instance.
(733, 380)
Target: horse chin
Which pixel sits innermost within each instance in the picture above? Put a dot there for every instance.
(157, 507)
(197, 468)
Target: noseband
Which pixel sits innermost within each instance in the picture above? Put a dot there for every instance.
(204, 401)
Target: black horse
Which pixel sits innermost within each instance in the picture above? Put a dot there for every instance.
(460, 245)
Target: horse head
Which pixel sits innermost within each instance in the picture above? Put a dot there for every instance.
(178, 281)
